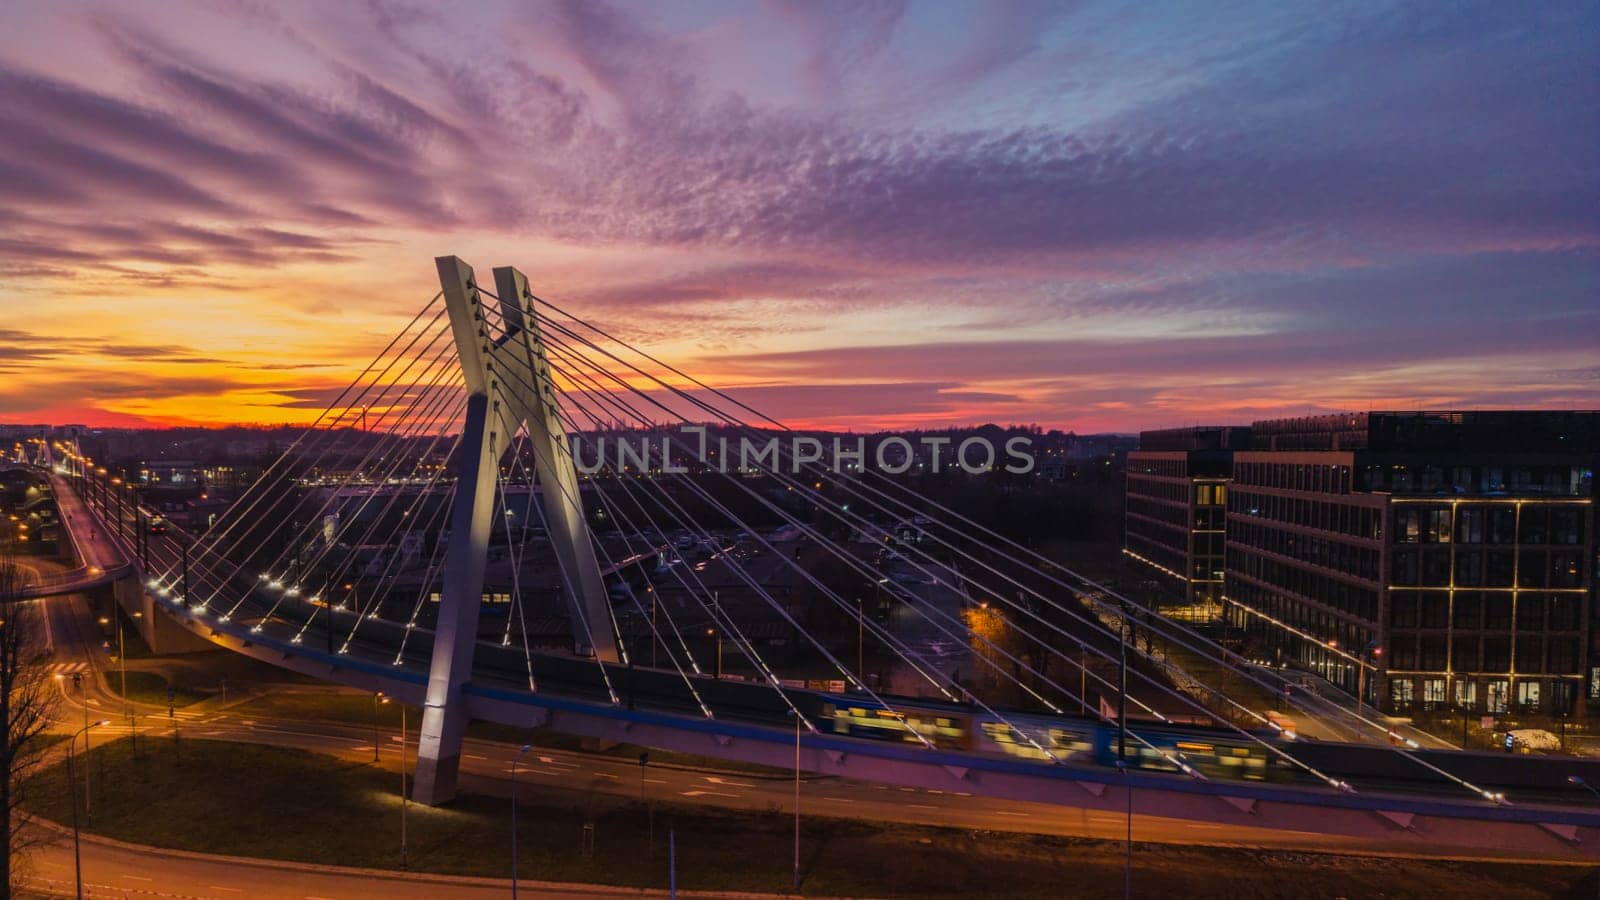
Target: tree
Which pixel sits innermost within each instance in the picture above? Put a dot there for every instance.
(27, 703)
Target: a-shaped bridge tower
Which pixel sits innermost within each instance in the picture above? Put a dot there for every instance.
(508, 387)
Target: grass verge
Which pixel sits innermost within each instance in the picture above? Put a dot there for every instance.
(150, 687)
(250, 800)
(357, 709)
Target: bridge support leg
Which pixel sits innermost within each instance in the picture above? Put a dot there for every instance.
(588, 605)
(444, 715)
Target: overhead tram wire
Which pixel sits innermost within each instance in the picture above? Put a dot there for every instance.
(678, 392)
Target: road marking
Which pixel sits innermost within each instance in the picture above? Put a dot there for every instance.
(839, 799)
(474, 756)
(607, 775)
(715, 780)
(556, 762)
(654, 781)
(706, 794)
(1001, 812)
(919, 806)
(138, 878)
(218, 887)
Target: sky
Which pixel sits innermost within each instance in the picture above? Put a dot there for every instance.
(1092, 216)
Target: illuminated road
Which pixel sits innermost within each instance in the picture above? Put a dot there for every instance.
(123, 870)
(485, 766)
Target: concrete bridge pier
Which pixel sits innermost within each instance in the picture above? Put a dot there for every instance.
(159, 631)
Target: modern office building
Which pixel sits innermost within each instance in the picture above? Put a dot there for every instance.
(1175, 506)
(1428, 560)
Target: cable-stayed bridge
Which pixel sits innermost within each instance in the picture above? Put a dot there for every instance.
(362, 556)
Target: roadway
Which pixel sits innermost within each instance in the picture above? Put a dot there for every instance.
(486, 765)
(166, 550)
(112, 868)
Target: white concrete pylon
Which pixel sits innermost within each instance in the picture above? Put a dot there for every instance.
(506, 383)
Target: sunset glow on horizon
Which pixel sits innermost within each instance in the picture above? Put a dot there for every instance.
(910, 216)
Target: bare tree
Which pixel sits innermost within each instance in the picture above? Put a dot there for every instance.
(27, 703)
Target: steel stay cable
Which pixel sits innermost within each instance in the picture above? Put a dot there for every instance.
(1336, 782)
(437, 414)
(844, 556)
(329, 435)
(266, 514)
(724, 620)
(888, 639)
(612, 564)
(409, 430)
(399, 433)
(199, 538)
(341, 571)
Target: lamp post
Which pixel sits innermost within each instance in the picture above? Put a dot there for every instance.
(712, 633)
(403, 762)
(649, 811)
(1361, 671)
(796, 799)
(861, 669)
(1122, 748)
(514, 760)
(376, 739)
(72, 780)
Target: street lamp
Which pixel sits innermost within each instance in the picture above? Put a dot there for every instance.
(404, 761)
(376, 699)
(796, 715)
(712, 633)
(1361, 671)
(72, 781)
(1577, 781)
(514, 761)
